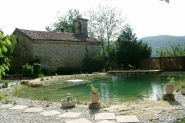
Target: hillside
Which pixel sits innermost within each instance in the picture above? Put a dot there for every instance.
(162, 40)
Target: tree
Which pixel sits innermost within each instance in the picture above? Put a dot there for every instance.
(176, 50)
(64, 23)
(105, 23)
(168, 1)
(6, 50)
(129, 50)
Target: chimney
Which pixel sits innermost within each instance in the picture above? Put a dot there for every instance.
(81, 26)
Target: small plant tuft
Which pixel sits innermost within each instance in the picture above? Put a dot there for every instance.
(41, 75)
(46, 98)
(5, 85)
(93, 89)
(42, 79)
(170, 80)
(1, 96)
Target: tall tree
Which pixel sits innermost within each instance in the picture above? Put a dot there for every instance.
(129, 50)
(64, 23)
(168, 1)
(175, 50)
(6, 51)
(105, 23)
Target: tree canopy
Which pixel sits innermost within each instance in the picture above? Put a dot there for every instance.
(129, 51)
(6, 51)
(64, 23)
(176, 50)
(105, 23)
(168, 1)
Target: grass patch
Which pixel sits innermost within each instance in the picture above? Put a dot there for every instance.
(181, 121)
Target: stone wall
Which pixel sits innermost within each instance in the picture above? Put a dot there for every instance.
(54, 54)
(22, 52)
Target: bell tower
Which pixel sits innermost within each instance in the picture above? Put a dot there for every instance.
(81, 26)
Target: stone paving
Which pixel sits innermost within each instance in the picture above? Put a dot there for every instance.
(32, 110)
(19, 107)
(106, 121)
(127, 119)
(70, 114)
(104, 117)
(49, 113)
(6, 106)
(80, 120)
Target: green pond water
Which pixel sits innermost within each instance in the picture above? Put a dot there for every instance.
(111, 89)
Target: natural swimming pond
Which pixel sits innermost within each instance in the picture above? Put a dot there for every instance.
(111, 89)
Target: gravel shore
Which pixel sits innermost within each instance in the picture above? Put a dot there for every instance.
(18, 116)
(147, 111)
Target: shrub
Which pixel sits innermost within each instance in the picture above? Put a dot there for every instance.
(41, 75)
(68, 70)
(27, 70)
(34, 61)
(93, 63)
(32, 69)
(103, 70)
(45, 70)
(37, 69)
(5, 85)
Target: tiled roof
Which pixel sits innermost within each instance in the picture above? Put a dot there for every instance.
(55, 36)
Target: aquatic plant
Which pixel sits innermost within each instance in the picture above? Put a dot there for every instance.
(16, 91)
(6, 97)
(46, 98)
(1, 96)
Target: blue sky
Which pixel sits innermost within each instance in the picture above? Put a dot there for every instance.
(146, 17)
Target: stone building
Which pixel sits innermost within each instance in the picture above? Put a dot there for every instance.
(54, 49)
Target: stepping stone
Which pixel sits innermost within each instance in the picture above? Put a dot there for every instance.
(30, 110)
(6, 106)
(183, 104)
(106, 121)
(19, 107)
(70, 114)
(81, 120)
(103, 116)
(49, 113)
(127, 119)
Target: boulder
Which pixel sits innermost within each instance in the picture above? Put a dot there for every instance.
(36, 84)
(168, 97)
(183, 91)
(24, 82)
(94, 106)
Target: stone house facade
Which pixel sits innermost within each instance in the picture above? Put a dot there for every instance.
(54, 49)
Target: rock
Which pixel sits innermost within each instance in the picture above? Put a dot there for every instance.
(24, 82)
(183, 91)
(35, 84)
(94, 106)
(168, 97)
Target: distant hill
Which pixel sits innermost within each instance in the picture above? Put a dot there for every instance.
(162, 40)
